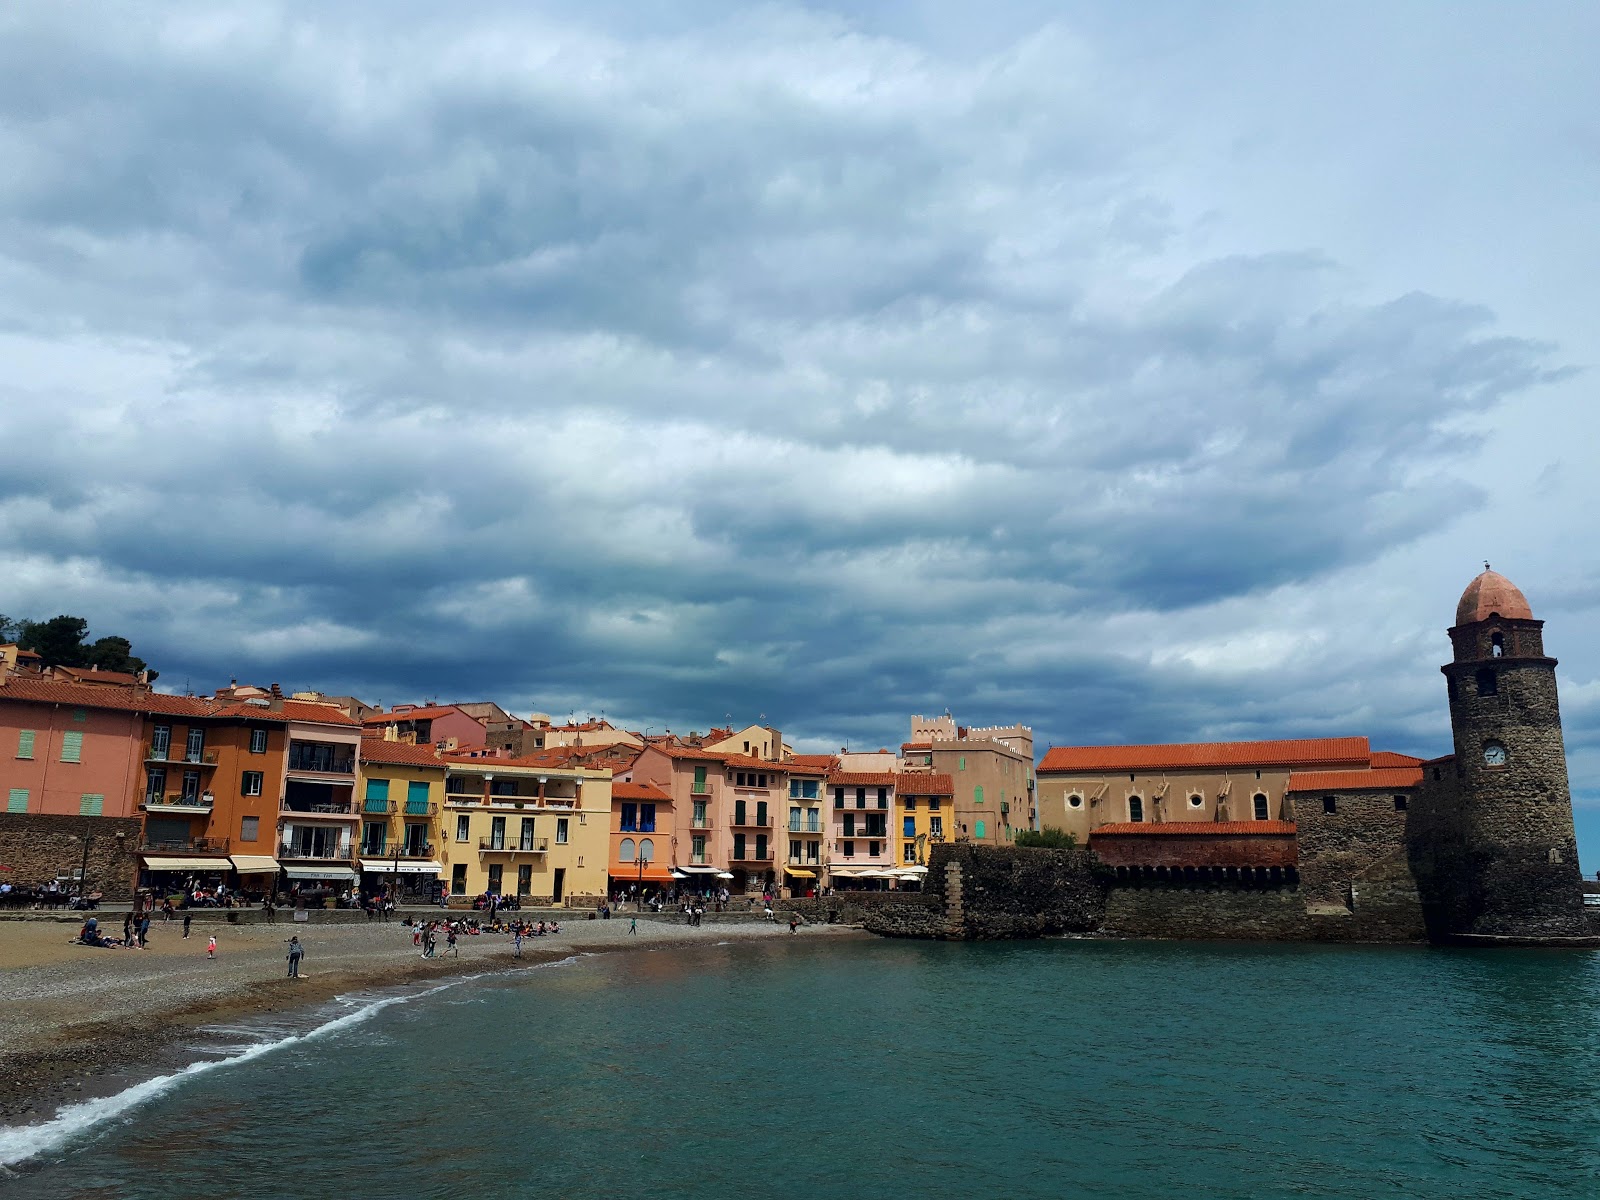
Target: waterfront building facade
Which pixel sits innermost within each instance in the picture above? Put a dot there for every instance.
(804, 843)
(402, 796)
(924, 807)
(862, 846)
(643, 832)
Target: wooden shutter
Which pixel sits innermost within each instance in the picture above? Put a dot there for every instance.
(17, 801)
(72, 746)
(25, 744)
(91, 805)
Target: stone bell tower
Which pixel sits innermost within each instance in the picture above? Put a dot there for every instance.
(1518, 866)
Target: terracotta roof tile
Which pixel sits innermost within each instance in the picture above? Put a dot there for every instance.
(744, 762)
(292, 710)
(1383, 778)
(810, 764)
(415, 714)
(379, 750)
(862, 778)
(639, 791)
(89, 695)
(1388, 758)
(1295, 752)
(918, 784)
(1196, 829)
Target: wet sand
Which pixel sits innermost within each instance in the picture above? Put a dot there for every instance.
(77, 1021)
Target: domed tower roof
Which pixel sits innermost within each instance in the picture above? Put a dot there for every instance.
(1492, 593)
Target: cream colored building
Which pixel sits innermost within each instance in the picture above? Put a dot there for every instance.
(512, 827)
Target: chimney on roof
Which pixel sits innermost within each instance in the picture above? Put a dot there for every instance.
(276, 693)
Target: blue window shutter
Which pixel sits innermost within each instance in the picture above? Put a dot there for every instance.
(980, 829)
(72, 746)
(377, 789)
(17, 801)
(25, 744)
(417, 791)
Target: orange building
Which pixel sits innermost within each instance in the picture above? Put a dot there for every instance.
(643, 829)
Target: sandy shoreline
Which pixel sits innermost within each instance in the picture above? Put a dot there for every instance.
(77, 1022)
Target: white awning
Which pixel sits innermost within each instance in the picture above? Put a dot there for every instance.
(319, 872)
(700, 870)
(249, 864)
(724, 874)
(388, 866)
(161, 862)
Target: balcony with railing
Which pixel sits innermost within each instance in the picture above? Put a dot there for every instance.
(752, 855)
(494, 845)
(164, 802)
(199, 845)
(323, 761)
(314, 849)
(700, 787)
(751, 820)
(185, 758)
(326, 809)
(804, 826)
(420, 808)
(400, 850)
(699, 822)
(370, 805)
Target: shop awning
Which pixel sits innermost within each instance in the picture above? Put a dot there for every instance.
(799, 874)
(700, 870)
(320, 872)
(254, 864)
(162, 862)
(623, 873)
(388, 866)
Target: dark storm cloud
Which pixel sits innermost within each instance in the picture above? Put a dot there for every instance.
(755, 367)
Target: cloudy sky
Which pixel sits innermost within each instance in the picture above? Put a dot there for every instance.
(1156, 372)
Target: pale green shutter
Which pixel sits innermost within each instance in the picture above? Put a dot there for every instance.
(25, 744)
(90, 805)
(377, 789)
(72, 746)
(17, 802)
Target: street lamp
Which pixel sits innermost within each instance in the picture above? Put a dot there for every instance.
(647, 851)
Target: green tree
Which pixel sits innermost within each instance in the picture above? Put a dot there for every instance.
(115, 654)
(10, 630)
(1048, 838)
(58, 642)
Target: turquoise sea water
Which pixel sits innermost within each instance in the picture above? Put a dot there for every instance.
(842, 1068)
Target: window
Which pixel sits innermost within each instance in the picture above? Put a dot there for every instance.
(191, 787)
(497, 833)
(908, 852)
(463, 826)
(1260, 803)
(647, 850)
(458, 878)
(738, 847)
(909, 803)
(978, 831)
(963, 762)
(72, 746)
(1488, 683)
(883, 797)
(803, 789)
(496, 874)
(1330, 804)
(1135, 808)
(861, 797)
(526, 834)
(1399, 804)
(17, 800)
(417, 798)
(647, 818)
(561, 830)
(373, 837)
(849, 824)
(933, 804)
(25, 743)
(155, 785)
(936, 827)
(910, 827)
(700, 781)
(249, 828)
(196, 745)
(838, 797)
(625, 849)
(1074, 801)
(91, 805)
(250, 785)
(524, 878)
(794, 819)
(977, 794)
(697, 849)
(849, 849)
(1197, 801)
(258, 741)
(1497, 645)
(872, 849)
(378, 789)
(630, 817)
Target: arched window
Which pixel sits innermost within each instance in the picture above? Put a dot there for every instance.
(647, 850)
(1497, 645)
(1261, 806)
(625, 850)
(1135, 808)
(978, 829)
(1488, 683)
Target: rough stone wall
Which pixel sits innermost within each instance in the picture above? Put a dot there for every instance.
(1154, 909)
(40, 847)
(1011, 892)
(1355, 875)
(854, 908)
(1509, 868)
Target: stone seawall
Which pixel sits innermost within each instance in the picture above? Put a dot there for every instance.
(1163, 910)
(39, 847)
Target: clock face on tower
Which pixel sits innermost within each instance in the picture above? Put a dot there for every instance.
(1494, 754)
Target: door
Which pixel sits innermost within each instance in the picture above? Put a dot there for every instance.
(494, 879)
(560, 885)
(197, 743)
(524, 880)
(458, 879)
(497, 833)
(160, 742)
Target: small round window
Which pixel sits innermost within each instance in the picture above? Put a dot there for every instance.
(1196, 801)
(1074, 801)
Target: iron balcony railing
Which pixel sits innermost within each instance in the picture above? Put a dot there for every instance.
(322, 808)
(200, 845)
(810, 827)
(700, 823)
(421, 808)
(493, 845)
(377, 806)
(752, 821)
(203, 801)
(313, 850)
(752, 856)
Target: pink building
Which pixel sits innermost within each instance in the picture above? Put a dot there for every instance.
(445, 725)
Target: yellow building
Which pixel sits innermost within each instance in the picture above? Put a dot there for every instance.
(522, 827)
(924, 806)
(401, 787)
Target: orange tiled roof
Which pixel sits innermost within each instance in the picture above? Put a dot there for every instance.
(639, 791)
(92, 674)
(1196, 828)
(691, 752)
(415, 714)
(93, 695)
(862, 778)
(1382, 778)
(379, 750)
(810, 764)
(918, 784)
(1294, 752)
(744, 762)
(1388, 758)
(292, 710)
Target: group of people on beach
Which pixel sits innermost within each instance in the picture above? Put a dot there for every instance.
(425, 934)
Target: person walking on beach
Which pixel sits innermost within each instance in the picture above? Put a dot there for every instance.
(794, 922)
(416, 934)
(633, 924)
(517, 940)
(187, 918)
(296, 953)
(450, 946)
(127, 930)
(144, 932)
(211, 946)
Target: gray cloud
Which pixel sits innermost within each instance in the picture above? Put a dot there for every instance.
(751, 364)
